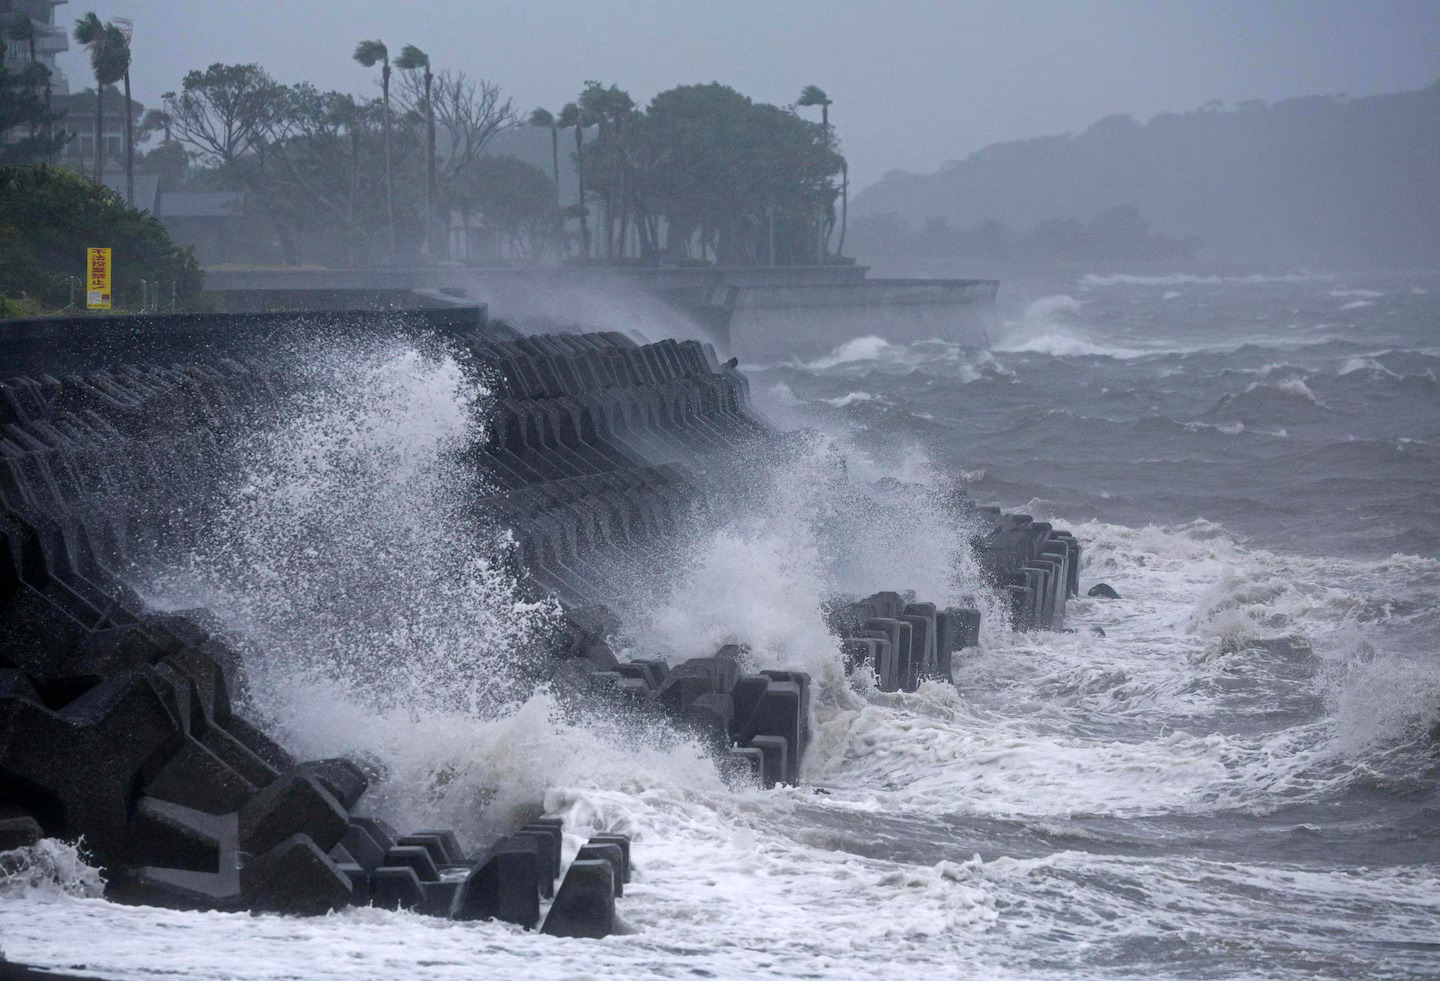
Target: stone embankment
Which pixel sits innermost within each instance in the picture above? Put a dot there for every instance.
(128, 729)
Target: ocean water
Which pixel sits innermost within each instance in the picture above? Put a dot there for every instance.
(1238, 779)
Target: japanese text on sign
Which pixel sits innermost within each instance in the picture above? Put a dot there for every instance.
(97, 271)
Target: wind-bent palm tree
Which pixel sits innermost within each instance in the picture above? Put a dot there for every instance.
(814, 95)
(126, 28)
(411, 59)
(109, 60)
(368, 53)
(545, 118)
(573, 115)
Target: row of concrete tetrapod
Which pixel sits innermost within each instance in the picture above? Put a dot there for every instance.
(116, 456)
(903, 642)
(601, 441)
(588, 403)
(546, 366)
(575, 435)
(1035, 564)
(580, 536)
(428, 872)
(593, 443)
(117, 728)
(758, 724)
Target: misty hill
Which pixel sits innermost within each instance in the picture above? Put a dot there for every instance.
(1325, 179)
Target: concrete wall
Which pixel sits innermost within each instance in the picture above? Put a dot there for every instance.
(62, 345)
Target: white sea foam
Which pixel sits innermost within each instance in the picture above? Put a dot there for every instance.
(1063, 344)
(1048, 326)
(1368, 365)
(1189, 279)
(871, 350)
(1294, 387)
(1069, 731)
(1357, 304)
(1233, 428)
(853, 398)
(46, 870)
(867, 348)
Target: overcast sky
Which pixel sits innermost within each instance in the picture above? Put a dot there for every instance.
(914, 82)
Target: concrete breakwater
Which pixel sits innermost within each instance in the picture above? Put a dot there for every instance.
(756, 313)
(130, 728)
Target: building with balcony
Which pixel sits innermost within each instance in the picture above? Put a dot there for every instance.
(51, 38)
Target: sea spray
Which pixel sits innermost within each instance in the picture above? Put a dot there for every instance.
(47, 869)
(374, 603)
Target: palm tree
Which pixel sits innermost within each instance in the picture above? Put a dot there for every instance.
(368, 53)
(814, 95)
(109, 60)
(412, 58)
(545, 118)
(609, 109)
(573, 115)
(125, 28)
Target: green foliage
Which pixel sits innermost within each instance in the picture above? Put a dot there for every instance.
(23, 108)
(167, 161)
(226, 111)
(22, 29)
(411, 58)
(517, 200)
(701, 171)
(813, 95)
(109, 51)
(368, 53)
(25, 103)
(49, 216)
(712, 161)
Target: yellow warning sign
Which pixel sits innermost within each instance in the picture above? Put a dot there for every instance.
(97, 274)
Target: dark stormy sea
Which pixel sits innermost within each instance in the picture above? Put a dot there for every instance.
(1238, 779)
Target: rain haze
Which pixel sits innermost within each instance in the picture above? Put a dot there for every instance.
(727, 489)
(914, 83)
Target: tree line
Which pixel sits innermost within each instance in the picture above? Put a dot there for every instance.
(701, 173)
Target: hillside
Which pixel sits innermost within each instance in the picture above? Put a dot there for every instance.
(1324, 179)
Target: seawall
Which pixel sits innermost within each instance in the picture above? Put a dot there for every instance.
(130, 727)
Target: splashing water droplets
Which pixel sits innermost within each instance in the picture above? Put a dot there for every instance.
(350, 556)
